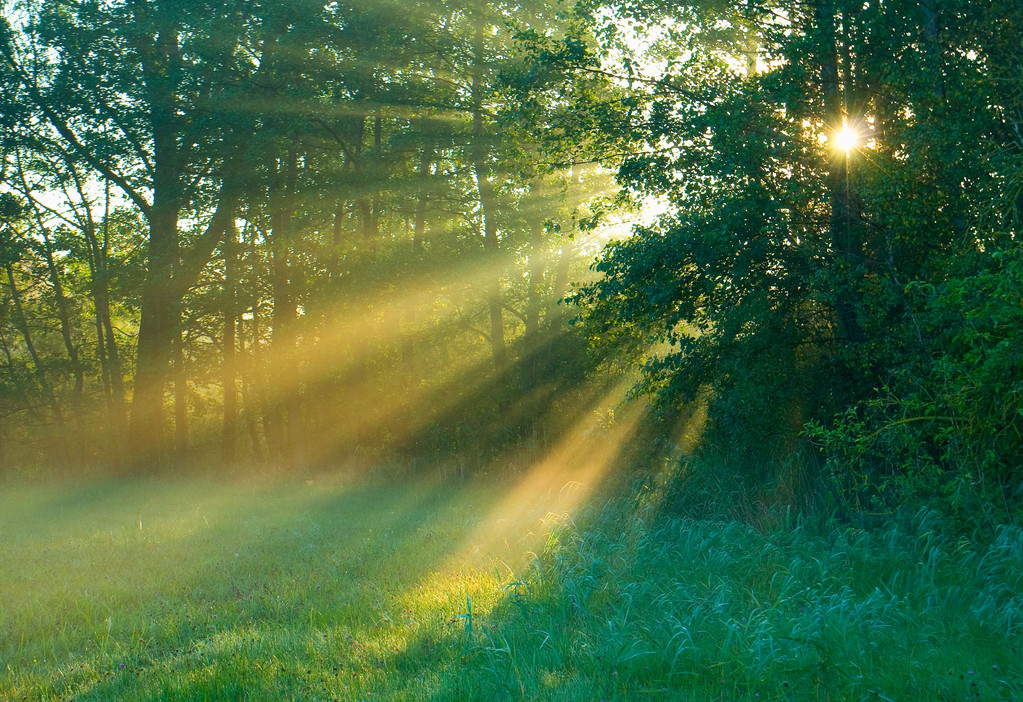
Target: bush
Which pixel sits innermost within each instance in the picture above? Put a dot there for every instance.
(946, 428)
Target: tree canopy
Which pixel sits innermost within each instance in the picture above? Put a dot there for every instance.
(297, 232)
(839, 174)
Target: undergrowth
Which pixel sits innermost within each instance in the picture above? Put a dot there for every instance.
(633, 606)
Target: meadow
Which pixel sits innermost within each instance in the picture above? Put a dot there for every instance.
(202, 589)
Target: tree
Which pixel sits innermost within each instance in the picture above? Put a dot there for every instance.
(277, 204)
(139, 92)
(777, 283)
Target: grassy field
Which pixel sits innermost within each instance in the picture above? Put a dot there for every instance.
(204, 590)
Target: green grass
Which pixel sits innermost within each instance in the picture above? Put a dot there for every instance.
(204, 590)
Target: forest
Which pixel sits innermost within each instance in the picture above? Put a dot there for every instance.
(591, 349)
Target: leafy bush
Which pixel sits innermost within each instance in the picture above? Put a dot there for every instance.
(946, 428)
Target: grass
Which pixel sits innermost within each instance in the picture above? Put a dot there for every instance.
(205, 590)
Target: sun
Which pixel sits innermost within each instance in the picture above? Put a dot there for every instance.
(846, 139)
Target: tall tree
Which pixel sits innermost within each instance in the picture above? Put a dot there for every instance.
(810, 187)
(129, 88)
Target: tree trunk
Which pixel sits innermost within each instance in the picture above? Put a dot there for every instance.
(337, 238)
(40, 372)
(534, 296)
(106, 344)
(284, 393)
(111, 359)
(488, 207)
(410, 313)
(253, 397)
(77, 370)
(180, 397)
(932, 49)
(13, 379)
(559, 289)
(534, 305)
(369, 231)
(159, 314)
(230, 426)
(155, 342)
(367, 335)
(843, 225)
(955, 211)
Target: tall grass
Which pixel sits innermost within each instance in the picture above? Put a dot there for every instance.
(679, 608)
(211, 591)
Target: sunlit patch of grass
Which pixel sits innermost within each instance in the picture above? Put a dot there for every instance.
(272, 591)
(333, 592)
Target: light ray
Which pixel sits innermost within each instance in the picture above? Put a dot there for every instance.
(553, 487)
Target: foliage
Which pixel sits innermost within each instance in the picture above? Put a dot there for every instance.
(308, 233)
(298, 227)
(945, 429)
(793, 280)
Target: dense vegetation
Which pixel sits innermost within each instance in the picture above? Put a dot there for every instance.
(840, 255)
(342, 235)
(287, 231)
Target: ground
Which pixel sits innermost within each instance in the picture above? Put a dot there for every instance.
(327, 590)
